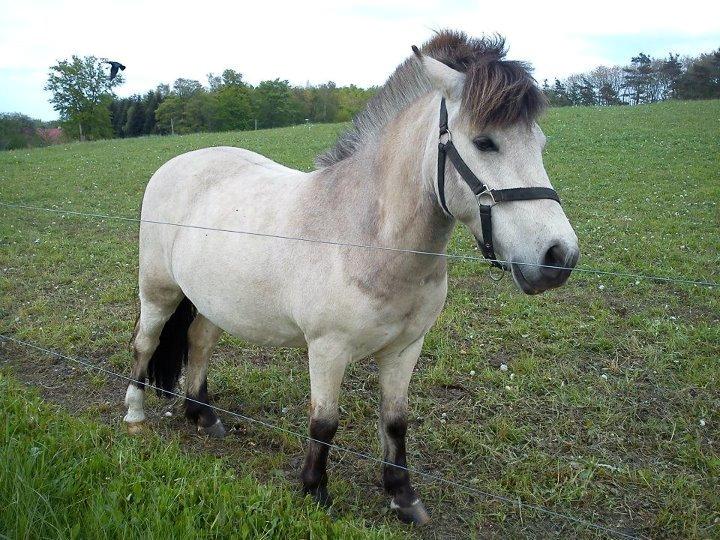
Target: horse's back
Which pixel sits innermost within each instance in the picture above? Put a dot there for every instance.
(198, 187)
(177, 183)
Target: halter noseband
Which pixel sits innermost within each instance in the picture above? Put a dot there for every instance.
(446, 149)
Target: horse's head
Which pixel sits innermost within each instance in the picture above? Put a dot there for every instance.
(492, 105)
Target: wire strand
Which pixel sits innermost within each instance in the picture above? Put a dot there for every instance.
(440, 479)
(452, 256)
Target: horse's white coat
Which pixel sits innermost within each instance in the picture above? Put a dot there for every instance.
(341, 303)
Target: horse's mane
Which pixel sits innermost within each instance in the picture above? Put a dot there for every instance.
(497, 92)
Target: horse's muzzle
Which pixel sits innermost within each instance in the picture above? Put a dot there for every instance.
(553, 271)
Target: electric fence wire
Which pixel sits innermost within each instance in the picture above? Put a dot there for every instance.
(451, 256)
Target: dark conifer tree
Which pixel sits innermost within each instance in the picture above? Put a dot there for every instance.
(607, 95)
(135, 119)
(151, 103)
(638, 78)
(702, 78)
(586, 93)
(669, 73)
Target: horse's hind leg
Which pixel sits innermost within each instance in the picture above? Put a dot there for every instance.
(202, 337)
(395, 372)
(155, 311)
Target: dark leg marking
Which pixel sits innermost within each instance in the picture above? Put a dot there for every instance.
(314, 473)
(395, 479)
(200, 413)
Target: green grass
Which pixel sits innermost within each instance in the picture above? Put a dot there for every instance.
(68, 477)
(599, 414)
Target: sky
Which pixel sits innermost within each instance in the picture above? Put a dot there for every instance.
(317, 41)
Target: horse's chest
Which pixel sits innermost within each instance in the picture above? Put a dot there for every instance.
(400, 319)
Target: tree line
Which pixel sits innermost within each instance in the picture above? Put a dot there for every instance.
(228, 103)
(644, 80)
(83, 95)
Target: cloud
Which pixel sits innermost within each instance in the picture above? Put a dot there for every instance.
(316, 41)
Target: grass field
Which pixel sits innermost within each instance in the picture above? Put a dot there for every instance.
(609, 411)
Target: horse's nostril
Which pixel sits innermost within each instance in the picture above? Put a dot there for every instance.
(558, 261)
(555, 256)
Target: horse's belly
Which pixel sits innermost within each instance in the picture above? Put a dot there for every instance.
(256, 326)
(241, 295)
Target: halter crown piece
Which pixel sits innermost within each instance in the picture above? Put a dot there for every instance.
(447, 149)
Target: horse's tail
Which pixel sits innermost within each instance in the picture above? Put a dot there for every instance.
(171, 353)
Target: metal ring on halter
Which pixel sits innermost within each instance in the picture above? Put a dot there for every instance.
(486, 191)
(496, 276)
(449, 136)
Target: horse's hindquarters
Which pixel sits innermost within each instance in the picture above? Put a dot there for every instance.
(238, 281)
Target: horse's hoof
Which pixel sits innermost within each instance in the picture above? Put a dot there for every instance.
(323, 498)
(415, 514)
(217, 430)
(320, 496)
(135, 428)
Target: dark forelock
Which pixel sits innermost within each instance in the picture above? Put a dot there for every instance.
(496, 93)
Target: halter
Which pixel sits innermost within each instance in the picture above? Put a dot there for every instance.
(447, 149)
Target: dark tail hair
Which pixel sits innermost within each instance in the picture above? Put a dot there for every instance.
(172, 352)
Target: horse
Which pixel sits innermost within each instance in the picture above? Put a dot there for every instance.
(385, 183)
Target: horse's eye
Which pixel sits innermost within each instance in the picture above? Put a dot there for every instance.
(485, 144)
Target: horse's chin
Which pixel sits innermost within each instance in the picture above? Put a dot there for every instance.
(522, 282)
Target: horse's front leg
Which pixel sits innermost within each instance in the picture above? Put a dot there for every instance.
(395, 371)
(327, 367)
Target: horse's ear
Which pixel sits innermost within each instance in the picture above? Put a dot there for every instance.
(444, 78)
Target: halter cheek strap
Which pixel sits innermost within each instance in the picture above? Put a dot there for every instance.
(447, 149)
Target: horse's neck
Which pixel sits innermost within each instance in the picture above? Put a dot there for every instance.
(384, 195)
(399, 181)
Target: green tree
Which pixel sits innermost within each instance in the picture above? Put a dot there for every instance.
(150, 102)
(586, 93)
(201, 112)
(233, 101)
(608, 82)
(81, 93)
(214, 82)
(573, 85)
(230, 77)
(170, 115)
(325, 103)
(608, 95)
(558, 95)
(303, 98)
(234, 108)
(135, 125)
(118, 115)
(351, 100)
(669, 74)
(18, 131)
(273, 103)
(186, 88)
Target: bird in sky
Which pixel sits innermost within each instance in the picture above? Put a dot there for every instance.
(114, 67)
